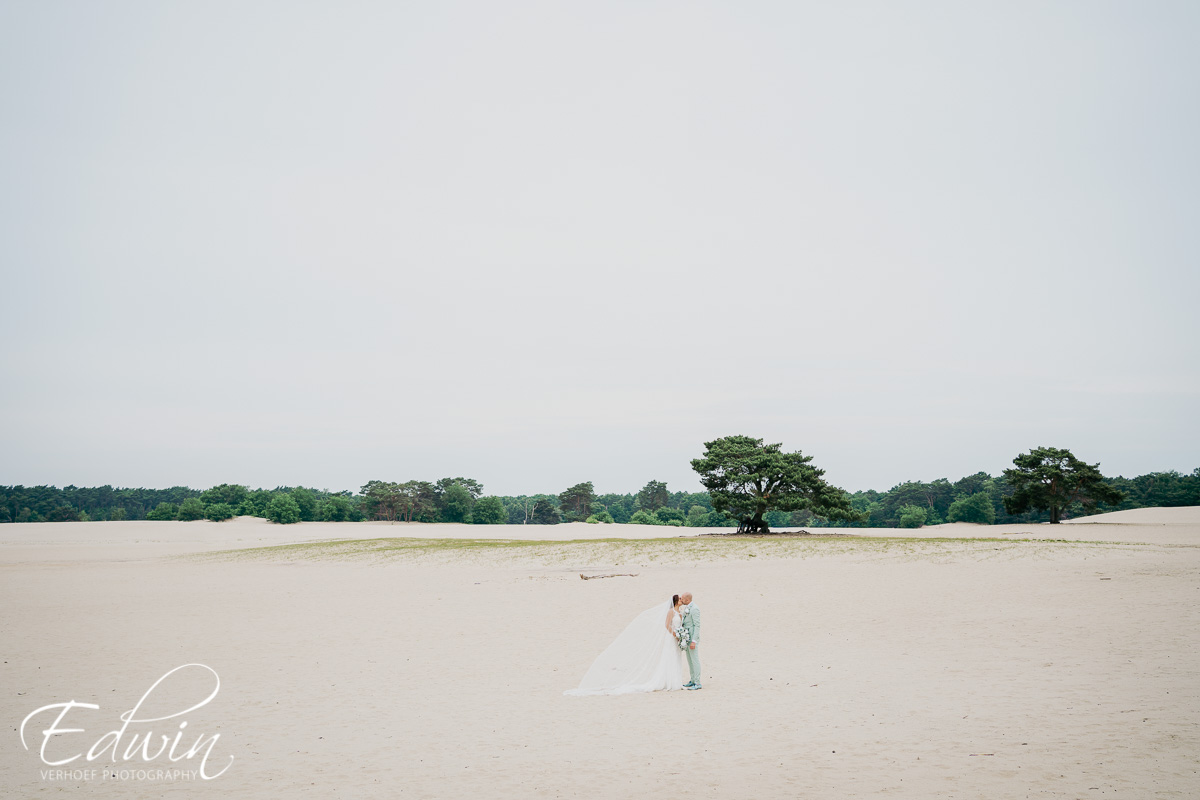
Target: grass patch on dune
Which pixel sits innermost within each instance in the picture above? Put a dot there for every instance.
(627, 552)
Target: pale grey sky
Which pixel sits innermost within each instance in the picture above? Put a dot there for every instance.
(543, 243)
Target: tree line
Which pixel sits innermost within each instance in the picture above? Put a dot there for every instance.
(74, 504)
(751, 486)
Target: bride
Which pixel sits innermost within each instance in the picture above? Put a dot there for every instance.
(645, 658)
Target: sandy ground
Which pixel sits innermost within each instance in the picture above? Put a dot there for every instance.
(836, 668)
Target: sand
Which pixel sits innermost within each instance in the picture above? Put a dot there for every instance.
(963, 662)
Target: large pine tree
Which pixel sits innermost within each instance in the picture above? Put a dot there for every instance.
(747, 478)
(1051, 479)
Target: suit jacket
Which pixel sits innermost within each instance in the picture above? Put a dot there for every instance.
(691, 621)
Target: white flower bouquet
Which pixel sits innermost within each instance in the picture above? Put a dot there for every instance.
(682, 638)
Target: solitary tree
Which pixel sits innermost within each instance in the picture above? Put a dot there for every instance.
(1051, 479)
(746, 478)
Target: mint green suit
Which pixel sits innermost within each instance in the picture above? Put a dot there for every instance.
(691, 622)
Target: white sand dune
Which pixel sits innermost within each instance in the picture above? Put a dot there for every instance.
(1182, 515)
(843, 668)
(136, 540)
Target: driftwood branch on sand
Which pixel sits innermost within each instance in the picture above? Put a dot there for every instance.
(611, 575)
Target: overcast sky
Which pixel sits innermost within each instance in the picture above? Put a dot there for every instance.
(543, 243)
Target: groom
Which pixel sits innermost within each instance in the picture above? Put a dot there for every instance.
(691, 622)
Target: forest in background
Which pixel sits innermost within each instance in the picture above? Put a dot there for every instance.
(974, 498)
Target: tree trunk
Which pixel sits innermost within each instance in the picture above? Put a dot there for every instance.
(755, 524)
(760, 525)
(1054, 509)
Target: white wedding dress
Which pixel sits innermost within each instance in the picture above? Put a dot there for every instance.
(644, 658)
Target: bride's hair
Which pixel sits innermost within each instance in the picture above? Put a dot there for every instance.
(674, 600)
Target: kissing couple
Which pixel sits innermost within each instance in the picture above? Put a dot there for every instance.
(649, 654)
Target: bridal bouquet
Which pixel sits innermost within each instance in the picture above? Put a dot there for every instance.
(683, 638)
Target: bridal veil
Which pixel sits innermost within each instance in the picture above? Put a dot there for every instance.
(643, 658)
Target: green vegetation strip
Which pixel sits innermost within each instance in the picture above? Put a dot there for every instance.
(644, 551)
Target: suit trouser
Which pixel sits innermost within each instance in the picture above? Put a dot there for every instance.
(693, 659)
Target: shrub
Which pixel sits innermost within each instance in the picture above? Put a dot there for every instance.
(306, 501)
(642, 518)
(117, 514)
(600, 517)
(666, 516)
(218, 512)
(164, 511)
(190, 509)
(283, 509)
(973, 508)
(489, 511)
(255, 504)
(697, 517)
(337, 508)
(912, 516)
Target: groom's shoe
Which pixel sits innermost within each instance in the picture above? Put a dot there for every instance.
(692, 686)
(689, 685)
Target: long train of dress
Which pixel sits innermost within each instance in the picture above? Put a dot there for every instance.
(643, 658)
